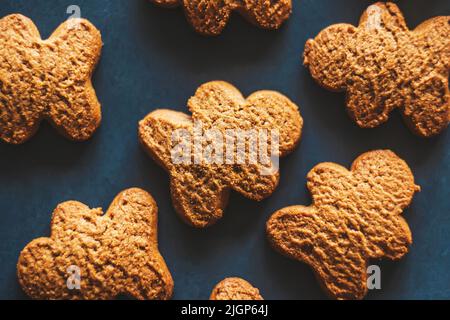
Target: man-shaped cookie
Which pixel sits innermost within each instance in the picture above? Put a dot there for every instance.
(228, 143)
(47, 79)
(382, 66)
(355, 216)
(209, 17)
(91, 255)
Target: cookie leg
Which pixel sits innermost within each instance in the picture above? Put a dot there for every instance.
(76, 112)
(365, 104)
(20, 110)
(198, 197)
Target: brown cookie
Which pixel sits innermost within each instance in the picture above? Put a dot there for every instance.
(200, 187)
(113, 253)
(382, 65)
(48, 79)
(355, 216)
(235, 289)
(209, 17)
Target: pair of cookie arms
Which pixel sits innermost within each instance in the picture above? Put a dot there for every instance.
(355, 216)
(381, 64)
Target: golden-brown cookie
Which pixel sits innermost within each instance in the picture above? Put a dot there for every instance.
(113, 253)
(355, 216)
(199, 187)
(382, 66)
(48, 79)
(235, 289)
(209, 17)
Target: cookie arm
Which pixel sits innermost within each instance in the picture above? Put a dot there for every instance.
(328, 56)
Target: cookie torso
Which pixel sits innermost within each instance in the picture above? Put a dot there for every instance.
(209, 17)
(47, 79)
(383, 66)
(113, 253)
(355, 217)
(235, 289)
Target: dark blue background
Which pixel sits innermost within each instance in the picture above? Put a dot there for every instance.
(152, 59)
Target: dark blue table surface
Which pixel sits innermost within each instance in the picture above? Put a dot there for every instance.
(152, 59)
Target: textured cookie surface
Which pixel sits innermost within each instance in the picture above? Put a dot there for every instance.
(209, 17)
(355, 217)
(115, 253)
(382, 66)
(47, 79)
(199, 187)
(235, 289)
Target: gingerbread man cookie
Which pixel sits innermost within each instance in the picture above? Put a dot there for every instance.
(209, 17)
(234, 128)
(383, 66)
(47, 79)
(355, 217)
(235, 289)
(91, 255)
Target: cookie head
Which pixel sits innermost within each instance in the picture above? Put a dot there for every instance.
(382, 66)
(355, 217)
(209, 17)
(235, 289)
(228, 143)
(48, 79)
(91, 255)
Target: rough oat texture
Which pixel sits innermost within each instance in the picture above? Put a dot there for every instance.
(200, 186)
(355, 216)
(382, 65)
(116, 253)
(209, 17)
(47, 79)
(235, 289)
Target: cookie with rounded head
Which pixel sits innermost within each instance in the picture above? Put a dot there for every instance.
(48, 79)
(355, 216)
(221, 146)
(113, 253)
(235, 289)
(382, 66)
(209, 17)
